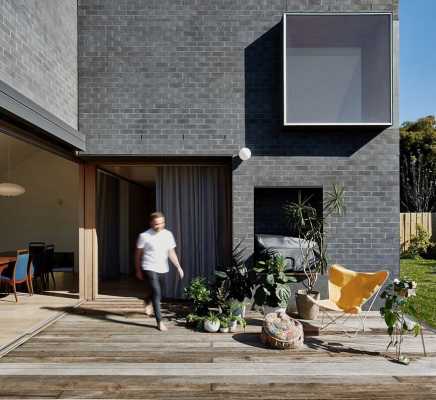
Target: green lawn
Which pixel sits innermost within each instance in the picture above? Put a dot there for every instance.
(424, 273)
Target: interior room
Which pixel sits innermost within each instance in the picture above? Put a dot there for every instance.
(39, 213)
(196, 202)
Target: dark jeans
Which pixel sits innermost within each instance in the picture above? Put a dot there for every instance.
(151, 280)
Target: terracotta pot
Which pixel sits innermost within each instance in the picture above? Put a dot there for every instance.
(306, 309)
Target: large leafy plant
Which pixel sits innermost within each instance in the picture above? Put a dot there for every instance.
(233, 281)
(273, 282)
(200, 295)
(311, 225)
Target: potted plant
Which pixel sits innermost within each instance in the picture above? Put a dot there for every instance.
(224, 324)
(237, 308)
(311, 225)
(404, 288)
(233, 282)
(273, 284)
(234, 320)
(398, 312)
(212, 322)
(193, 320)
(200, 295)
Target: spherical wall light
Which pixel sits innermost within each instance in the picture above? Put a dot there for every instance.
(245, 154)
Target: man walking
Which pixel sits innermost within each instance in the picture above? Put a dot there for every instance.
(153, 249)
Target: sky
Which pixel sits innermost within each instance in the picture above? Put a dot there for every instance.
(417, 59)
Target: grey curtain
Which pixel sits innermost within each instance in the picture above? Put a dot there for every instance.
(108, 226)
(196, 203)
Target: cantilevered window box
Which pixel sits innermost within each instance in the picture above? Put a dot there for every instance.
(337, 69)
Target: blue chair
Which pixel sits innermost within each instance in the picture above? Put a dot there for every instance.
(19, 273)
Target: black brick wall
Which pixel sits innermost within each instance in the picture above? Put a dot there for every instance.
(191, 77)
(38, 53)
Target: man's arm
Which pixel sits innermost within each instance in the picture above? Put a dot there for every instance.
(174, 259)
(138, 258)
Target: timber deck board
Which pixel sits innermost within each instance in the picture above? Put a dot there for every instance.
(110, 350)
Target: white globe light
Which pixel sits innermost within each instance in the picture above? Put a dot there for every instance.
(244, 153)
(11, 189)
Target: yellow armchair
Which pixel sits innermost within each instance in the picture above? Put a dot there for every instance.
(350, 290)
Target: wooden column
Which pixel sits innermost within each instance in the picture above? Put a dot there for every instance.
(88, 250)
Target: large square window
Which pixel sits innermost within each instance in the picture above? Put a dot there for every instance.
(337, 69)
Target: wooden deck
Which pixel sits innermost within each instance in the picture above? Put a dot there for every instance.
(109, 350)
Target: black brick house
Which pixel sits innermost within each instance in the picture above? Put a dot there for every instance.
(197, 80)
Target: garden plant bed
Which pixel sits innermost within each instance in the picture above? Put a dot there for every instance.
(423, 272)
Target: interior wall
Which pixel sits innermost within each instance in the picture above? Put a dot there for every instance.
(123, 208)
(48, 210)
(125, 256)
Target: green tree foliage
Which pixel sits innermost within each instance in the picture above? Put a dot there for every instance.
(418, 165)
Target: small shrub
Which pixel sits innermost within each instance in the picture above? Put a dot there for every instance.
(198, 291)
(419, 244)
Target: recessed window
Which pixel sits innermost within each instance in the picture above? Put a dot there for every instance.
(337, 69)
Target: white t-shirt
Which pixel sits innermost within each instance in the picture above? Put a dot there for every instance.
(156, 246)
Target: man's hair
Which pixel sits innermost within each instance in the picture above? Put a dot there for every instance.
(156, 215)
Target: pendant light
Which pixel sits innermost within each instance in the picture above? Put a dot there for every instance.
(9, 189)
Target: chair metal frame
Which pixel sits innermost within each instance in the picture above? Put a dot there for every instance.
(361, 315)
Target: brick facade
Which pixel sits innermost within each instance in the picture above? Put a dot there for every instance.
(38, 53)
(203, 77)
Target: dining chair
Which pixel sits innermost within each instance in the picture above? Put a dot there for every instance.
(36, 251)
(49, 262)
(19, 273)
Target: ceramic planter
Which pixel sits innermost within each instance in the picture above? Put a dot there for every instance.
(233, 326)
(224, 330)
(306, 308)
(211, 326)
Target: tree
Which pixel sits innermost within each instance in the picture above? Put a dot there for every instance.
(418, 165)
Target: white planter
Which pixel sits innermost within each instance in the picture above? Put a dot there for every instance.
(269, 309)
(210, 326)
(233, 326)
(224, 330)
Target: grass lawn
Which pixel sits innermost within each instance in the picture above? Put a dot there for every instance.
(424, 273)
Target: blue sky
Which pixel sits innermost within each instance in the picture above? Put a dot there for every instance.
(417, 59)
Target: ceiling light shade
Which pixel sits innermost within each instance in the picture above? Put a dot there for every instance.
(11, 189)
(244, 153)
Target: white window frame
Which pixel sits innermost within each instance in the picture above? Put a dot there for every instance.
(284, 36)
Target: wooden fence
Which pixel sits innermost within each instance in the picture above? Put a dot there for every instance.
(409, 222)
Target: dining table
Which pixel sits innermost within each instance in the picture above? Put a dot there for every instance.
(5, 261)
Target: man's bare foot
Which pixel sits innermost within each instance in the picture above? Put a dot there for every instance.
(148, 310)
(161, 326)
